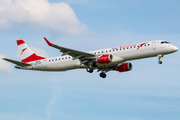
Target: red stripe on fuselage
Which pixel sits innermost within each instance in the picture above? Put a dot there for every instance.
(19, 42)
(32, 58)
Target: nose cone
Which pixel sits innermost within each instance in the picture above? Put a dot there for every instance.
(175, 48)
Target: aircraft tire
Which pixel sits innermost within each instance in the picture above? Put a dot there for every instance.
(103, 75)
(90, 70)
(160, 62)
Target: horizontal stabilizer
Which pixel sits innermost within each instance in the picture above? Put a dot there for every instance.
(17, 62)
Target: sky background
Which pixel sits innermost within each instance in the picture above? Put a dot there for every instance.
(149, 91)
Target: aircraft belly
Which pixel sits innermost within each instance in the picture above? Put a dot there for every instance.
(61, 66)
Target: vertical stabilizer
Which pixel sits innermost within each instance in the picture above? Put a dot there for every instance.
(27, 55)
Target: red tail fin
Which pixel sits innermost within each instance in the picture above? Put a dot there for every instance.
(27, 55)
(33, 57)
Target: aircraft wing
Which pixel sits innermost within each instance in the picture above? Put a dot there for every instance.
(107, 69)
(84, 57)
(17, 62)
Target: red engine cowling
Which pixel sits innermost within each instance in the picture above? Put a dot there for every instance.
(104, 59)
(124, 67)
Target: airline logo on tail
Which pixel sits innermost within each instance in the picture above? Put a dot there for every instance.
(23, 50)
(27, 55)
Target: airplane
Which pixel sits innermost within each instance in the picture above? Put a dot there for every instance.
(104, 60)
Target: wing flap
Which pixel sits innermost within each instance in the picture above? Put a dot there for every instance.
(106, 69)
(17, 62)
(71, 52)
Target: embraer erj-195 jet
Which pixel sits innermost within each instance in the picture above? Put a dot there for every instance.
(103, 60)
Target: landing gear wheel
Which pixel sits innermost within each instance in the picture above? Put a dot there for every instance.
(90, 70)
(159, 57)
(160, 62)
(103, 75)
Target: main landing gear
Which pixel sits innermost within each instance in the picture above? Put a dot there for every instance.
(103, 75)
(89, 69)
(159, 57)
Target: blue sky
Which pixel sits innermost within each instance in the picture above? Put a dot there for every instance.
(149, 91)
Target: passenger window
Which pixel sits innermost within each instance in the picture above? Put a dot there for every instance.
(131, 47)
(106, 51)
(62, 58)
(134, 46)
(148, 44)
(98, 52)
(52, 59)
(49, 60)
(65, 57)
(69, 57)
(123, 48)
(59, 58)
(127, 48)
(94, 53)
(102, 52)
(56, 59)
(109, 50)
(113, 50)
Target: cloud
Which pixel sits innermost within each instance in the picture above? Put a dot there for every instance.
(5, 66)
(41, 15)
(77, 1)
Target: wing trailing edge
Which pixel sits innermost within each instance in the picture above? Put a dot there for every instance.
(84, 57)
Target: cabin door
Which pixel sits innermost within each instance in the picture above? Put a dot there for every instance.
(45, 63)
(154, 45)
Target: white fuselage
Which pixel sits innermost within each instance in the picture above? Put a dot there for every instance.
(120, 54)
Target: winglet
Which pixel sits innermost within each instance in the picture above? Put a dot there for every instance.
(50, 44)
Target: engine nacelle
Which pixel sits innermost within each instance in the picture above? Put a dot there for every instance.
(104, 59)
(124, 67)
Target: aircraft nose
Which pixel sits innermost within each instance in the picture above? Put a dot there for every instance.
(175, 48)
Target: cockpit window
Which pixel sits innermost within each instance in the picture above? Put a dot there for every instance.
(165, 42)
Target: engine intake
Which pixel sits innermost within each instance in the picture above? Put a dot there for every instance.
(124, 67)
(104, 59)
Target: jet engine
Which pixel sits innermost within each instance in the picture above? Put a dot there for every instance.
(104, 59)
(124, 67)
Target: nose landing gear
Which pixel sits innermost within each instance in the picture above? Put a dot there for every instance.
(90, 70)
(159, 57)
(160, 62)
